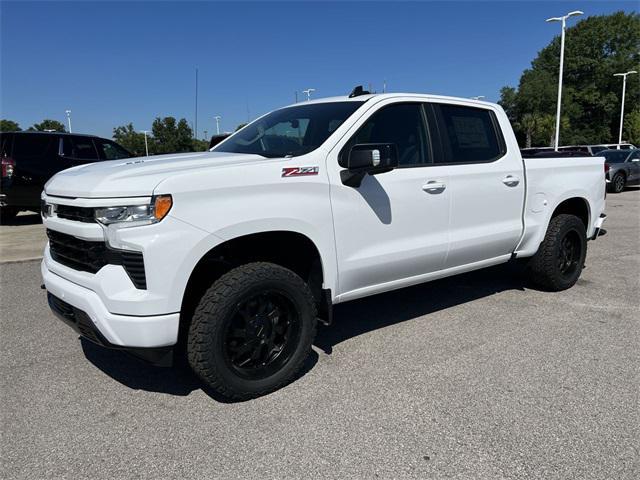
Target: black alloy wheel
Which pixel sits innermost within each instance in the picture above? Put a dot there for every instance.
(569, 254)
(262, 334)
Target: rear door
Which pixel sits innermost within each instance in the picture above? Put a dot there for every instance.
(486, 184)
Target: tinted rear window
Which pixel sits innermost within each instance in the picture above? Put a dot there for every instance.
(30, 146)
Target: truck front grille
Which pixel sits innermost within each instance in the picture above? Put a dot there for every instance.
(77, 214)
(91, 256)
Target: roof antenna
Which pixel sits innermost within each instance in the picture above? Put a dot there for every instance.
(356, 92)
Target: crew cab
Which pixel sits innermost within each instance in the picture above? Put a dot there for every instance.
(231, 257)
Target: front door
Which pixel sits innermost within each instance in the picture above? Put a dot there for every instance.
(394, 225)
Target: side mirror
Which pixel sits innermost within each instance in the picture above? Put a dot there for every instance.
(367, 158)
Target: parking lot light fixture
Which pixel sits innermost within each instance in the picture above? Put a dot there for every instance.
(563, 20)
(68, 112)
(217, 119)
(146, 145)
(624, 89)
(308, 92)
(479, 97)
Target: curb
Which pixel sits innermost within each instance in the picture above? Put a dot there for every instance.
(20, 260)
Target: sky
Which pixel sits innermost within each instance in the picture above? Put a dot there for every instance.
(112, 63)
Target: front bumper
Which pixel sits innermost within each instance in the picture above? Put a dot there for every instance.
(117, 331)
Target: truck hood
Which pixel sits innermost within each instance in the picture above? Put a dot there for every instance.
(135, 177)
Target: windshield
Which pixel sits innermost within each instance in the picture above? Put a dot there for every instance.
(290, 131)
(616, 156)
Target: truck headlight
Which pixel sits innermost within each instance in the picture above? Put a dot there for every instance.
(135, 215)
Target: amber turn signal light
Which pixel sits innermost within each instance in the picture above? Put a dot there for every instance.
(161, 206)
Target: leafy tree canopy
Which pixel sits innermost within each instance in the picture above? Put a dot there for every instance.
(132, 140)
(595, 49)
(171, 136)
(48, 124)
(9, 126)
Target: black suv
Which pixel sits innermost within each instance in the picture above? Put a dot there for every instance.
(29, 159)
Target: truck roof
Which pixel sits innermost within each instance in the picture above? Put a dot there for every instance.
(369, 96)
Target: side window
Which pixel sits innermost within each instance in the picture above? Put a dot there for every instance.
(469, 135)
(30, 146)
(84, 149)
(635, 155)
(401, 124)
(110, 150)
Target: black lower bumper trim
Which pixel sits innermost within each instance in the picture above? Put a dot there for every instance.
(80, 322)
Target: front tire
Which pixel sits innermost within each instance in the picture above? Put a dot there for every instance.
(617, 183)
(558, 263)
(252, 331)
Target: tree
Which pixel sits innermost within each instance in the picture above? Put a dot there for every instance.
(132, 140)
(508, 101)
(241, 125)
(200, 145)
(170, 136)
(48, 124)
(631, 132)
(529, 124)
(9, 126)
(595, 49)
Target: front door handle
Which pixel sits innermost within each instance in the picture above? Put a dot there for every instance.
(434, 186)
(511, 181)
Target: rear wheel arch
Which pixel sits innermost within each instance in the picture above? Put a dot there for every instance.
(577, 206)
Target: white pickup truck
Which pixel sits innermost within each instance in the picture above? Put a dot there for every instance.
(232, 256)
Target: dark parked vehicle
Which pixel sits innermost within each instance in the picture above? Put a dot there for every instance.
(216, 139)
(30, 159)
(622, 168)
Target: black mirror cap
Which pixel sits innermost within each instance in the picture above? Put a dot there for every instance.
(371, 157)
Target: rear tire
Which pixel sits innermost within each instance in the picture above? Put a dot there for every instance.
(618, 183)
(7, 215)
(252, 331)
(558, 263)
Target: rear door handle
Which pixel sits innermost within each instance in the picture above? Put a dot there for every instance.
(434, 186)
(511, 181)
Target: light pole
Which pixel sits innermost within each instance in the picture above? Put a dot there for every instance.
(217, 119)
(308, 92)
(146, 145)
(624, 89)
(68, 112)
(564, 24)
(479, 97)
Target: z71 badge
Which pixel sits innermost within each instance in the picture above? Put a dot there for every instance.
(299, 171)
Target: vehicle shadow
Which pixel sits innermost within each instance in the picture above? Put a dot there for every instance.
(350, 320)
(380, 311)
(25, 218)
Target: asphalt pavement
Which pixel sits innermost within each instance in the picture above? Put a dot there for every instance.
(473, 377)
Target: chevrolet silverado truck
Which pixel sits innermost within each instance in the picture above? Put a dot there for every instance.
(230, 257)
